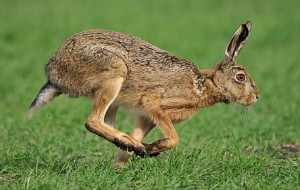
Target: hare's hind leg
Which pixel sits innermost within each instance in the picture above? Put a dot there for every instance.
(103, 98)
(142, 127)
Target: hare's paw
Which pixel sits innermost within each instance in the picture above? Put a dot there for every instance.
(128, 143)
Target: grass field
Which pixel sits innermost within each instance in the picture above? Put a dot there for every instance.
(221, 147)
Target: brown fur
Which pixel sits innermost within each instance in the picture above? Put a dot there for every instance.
(116, 69)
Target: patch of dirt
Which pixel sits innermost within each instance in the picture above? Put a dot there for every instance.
(8, 177)
(283, 151)
(294, 147)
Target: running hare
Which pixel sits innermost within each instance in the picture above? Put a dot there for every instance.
(116, 69)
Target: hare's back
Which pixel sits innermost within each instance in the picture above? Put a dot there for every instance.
(89, 57)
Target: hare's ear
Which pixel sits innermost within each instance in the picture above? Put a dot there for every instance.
(238, 41)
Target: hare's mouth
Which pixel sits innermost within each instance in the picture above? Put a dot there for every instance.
(227, 101)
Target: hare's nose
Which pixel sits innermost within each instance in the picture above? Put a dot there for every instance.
(257, 96)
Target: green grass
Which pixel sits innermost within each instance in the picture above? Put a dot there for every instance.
(221, 147)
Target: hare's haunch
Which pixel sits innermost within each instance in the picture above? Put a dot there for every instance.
(116, 69)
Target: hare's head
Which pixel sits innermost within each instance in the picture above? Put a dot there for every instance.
(232, 80)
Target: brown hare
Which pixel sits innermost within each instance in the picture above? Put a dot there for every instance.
(116, 69)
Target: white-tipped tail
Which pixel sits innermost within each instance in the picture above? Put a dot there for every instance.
(45, 96)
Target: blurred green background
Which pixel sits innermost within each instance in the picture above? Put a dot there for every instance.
(34, 153)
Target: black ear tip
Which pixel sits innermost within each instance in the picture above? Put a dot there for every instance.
(244, 33)
(245, 27)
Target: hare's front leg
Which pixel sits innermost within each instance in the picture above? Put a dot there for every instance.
(166, 126)
(142, 127)
(95, 123)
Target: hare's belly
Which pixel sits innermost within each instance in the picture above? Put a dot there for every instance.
(176, 116)
(177, 108)
(135, 110)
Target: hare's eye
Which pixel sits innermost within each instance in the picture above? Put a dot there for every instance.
(240, 77)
